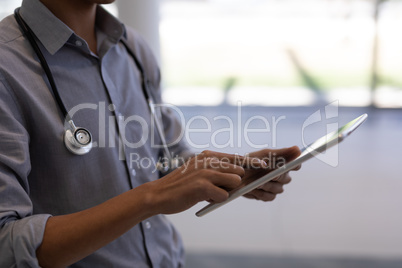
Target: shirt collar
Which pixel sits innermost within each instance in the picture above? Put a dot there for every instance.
(53, 33)
(108, 24)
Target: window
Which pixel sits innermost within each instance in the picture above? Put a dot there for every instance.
(7, 7)
(281, 52)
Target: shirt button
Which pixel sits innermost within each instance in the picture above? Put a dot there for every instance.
(78, 43)
(133, 172)
(148, 225)
(112, 107)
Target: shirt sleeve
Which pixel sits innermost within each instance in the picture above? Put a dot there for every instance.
(21, 232)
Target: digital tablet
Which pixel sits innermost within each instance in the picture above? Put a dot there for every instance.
(309, 152)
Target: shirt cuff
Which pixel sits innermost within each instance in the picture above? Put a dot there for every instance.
(19, 240)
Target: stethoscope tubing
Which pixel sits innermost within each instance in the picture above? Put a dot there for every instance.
(72, 143)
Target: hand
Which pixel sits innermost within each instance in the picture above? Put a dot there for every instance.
(208, 176)
(274, 160)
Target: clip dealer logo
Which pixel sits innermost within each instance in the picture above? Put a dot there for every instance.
(223, 131)
(328, 114)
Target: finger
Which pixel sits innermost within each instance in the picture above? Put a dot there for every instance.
(224, 166)
(272, 187)
(217, 195)
(297, 168)
(216, 185)
(212, 163)
(224, 180)
(289, 153)
(277, 157)
(211, 193)
(284, 178)
(261, 195)
(244, 161)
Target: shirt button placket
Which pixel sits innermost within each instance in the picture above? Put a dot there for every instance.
(78, 43)
(148, 225)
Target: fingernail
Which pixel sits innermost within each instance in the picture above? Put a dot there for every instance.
(264, 164)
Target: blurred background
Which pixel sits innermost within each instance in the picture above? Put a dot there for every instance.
(279, 62)
(281, 50)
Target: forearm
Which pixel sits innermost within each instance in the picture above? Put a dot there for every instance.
(69, 238)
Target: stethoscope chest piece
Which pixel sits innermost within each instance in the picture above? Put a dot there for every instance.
(78, 140)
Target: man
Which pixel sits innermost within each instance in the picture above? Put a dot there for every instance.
(100, 209)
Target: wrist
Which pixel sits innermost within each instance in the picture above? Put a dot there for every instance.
(149, 199)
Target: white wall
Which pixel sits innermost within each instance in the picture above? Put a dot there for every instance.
(144, 17)
(353, 209)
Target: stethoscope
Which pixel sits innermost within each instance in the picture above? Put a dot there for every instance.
(78, 140)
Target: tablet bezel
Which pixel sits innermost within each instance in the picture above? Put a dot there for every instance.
(323, 144)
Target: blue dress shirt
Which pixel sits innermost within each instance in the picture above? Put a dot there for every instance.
(39, 177)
